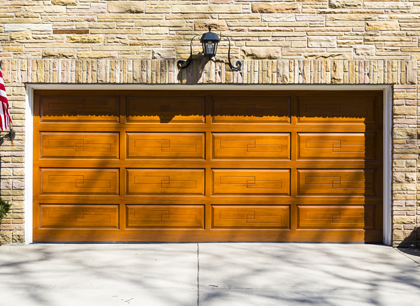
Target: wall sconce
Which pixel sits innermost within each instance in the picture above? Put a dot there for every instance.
(209, 41)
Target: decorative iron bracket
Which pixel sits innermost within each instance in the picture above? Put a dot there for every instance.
(11, 135)
(238, 63)
(184, 64)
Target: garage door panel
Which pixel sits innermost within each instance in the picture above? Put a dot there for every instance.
(336, 217)
(251, 146)
(251, 110)
(340, 182)
(340, 109)
(79, 216)
(269, 182)
(165, 182)
(80, 181)
(79, 145)
(172, 109)
(196, 166)
(251, 217)
(337, 146)
(79, 108)
(165, 216)
(166, 145)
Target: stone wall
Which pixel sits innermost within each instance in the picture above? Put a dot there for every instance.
(289, 42)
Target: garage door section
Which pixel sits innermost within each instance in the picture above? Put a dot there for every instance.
(196, 166)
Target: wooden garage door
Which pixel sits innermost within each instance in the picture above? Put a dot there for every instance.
(208, 166)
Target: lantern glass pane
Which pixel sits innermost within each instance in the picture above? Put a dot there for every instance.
(209, 48)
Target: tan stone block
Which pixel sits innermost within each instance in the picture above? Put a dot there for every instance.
(126, 6)
(97, 55)
(18, 237)
(403, 235)
(58, 53)
(159, 23)
(95, 25)
(163, 53)
(278, 17)
(345, 4)
(345, 24)
(44, 9)
(187, 9)
(155, 31)
(268, 44)
(75, 38)
(405, 110)
(299, 44)
(351, 17)
(20, 36)
(27, 27)
(64, 2)
(382, 26)
(404, 187)
(46, 19)
(364, 50)
(275, 8)
(5, 236)
(321, 41)
(405, 133)
(337, 74)
(216, 25)
(261, 53)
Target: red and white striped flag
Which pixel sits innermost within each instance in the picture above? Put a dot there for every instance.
(5, 119)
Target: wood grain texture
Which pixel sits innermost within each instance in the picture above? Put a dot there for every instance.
(79, 145)
(165, 216)
(165, 182)
(166, 145)
(336, 217)
(250, 217)
(251, 146)
(197, 166)
(80, 181)
(79, 216)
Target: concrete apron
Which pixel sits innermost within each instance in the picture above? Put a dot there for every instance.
(208, 274)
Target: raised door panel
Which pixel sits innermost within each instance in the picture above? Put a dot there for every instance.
(165, 216)
(79, 181)
(79, 108)
(79, 145)
(338, 109)
(258, 182)
(250, 217)
(337, 146)
(251, 146)
(336, 217)
(174, 109)
(336, 182)
(251, 109)
(166, 145)
(56, 216)
(165, 182)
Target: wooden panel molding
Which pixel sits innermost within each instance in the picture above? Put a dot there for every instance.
(166, 145)
(248, 109)
(61, 216)
(337, 146)
(165, 216)
(250, 217)
(336, 217)
(79, 181)
(267, 182)
(337, 182)
(165, 182)
(79, 145)
(79, 108)
(174, 109)
(251, 146)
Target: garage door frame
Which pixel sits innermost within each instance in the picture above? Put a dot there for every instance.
(387, 132)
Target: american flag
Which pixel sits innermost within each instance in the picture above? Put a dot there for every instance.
(5, 119)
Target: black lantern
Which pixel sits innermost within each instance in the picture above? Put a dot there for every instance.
(209, 41)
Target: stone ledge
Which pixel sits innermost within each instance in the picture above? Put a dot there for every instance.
(164, 71)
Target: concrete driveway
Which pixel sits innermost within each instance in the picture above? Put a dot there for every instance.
(208, 274)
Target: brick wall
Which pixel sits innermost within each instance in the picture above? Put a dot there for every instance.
(289, 42)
